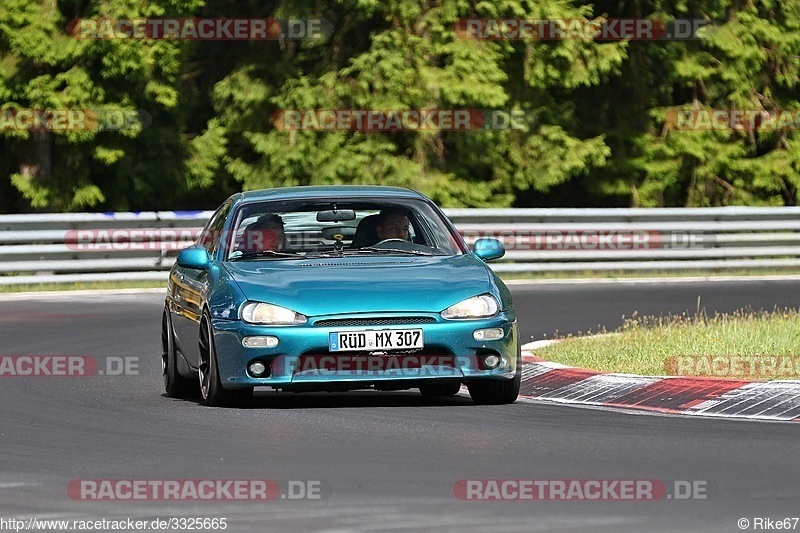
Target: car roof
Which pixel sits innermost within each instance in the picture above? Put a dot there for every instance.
(327, 191)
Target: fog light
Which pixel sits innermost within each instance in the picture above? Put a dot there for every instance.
(257, 368)
(491, 361)
(491, 334)
(260, 342)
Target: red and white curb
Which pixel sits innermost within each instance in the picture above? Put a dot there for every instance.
(711, 397)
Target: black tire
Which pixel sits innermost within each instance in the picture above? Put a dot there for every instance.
(496, 391)
(176, 385)
(440, 390)
(211, 389)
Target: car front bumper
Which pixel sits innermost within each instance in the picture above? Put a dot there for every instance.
(302, 360)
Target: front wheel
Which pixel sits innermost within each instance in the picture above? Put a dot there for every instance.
(214, 394)
(497, 392)
(176, 385)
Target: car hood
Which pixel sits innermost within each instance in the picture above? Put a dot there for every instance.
(362, 284)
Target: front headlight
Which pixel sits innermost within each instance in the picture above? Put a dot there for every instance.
(271, 315)
(483, 306)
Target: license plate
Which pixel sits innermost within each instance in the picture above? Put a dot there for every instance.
(386, 339)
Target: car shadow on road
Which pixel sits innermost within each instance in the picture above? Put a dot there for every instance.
(340, 400)
(337, 400)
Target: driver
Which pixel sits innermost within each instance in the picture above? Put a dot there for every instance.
(392, 224)
(266, 233)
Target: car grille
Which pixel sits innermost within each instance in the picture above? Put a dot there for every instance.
(381, 321)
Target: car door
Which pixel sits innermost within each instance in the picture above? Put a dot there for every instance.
(190, 290)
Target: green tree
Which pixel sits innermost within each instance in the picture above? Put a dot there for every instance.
(43, 67)
(745, 60)
(407, 55)
(595, 129)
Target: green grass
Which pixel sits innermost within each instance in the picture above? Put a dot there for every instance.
(89, 285)
(745, 344)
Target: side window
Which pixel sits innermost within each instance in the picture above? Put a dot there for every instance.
(211, 237)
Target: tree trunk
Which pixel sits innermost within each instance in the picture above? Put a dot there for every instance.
(36, 161)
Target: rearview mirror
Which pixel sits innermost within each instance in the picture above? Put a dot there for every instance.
(336, 215)
(488, 249)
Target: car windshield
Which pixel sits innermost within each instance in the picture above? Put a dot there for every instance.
(299, 229)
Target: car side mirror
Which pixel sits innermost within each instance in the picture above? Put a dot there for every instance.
(194, 257)
(488, 249)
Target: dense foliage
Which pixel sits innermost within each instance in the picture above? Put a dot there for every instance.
(596, 132)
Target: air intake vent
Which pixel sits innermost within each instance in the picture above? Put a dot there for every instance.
(387, 321)
(352, 263)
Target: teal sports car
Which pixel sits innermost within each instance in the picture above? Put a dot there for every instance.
(333, 289)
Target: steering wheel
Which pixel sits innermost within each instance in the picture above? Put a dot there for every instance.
(389, 240)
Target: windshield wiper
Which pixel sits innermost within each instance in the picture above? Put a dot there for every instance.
(371, 250)
(239, 255)
(364, 251)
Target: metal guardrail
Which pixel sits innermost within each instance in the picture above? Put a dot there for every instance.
(46, 248)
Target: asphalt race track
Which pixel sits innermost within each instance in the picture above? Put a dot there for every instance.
(383, 461)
